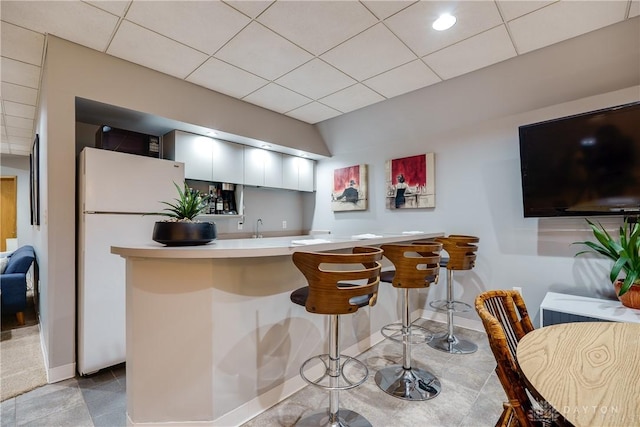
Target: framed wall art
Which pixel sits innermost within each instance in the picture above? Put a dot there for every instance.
(349, 190)
(410, 182)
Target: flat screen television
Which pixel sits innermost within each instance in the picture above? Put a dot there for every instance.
(582, 165)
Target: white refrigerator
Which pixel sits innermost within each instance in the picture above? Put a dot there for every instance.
(115, 190)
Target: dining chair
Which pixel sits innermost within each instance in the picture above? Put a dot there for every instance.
(506, 320)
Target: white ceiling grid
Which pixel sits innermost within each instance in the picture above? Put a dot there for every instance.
(310, 60)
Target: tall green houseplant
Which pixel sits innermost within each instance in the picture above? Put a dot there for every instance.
(625, 251)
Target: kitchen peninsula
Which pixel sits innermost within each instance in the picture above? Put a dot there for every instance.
(212, 337)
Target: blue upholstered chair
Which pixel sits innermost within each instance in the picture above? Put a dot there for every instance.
(13, 282)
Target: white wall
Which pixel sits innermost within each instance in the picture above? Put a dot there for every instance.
(471, 123)
(18, 166)
(72, 71)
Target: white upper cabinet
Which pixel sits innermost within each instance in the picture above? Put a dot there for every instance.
(205, 158)
(208, 159)
(228, 159)
(298, 173)
(262, 167)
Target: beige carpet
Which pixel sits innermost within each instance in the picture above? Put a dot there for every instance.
(21, 363)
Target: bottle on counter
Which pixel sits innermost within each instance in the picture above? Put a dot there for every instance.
(219, 202)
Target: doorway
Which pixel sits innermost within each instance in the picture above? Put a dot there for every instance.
(8, 208)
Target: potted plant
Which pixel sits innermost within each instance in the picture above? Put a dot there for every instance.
(181, 229)
(625, 253)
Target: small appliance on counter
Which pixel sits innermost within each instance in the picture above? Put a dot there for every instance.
(126, 141)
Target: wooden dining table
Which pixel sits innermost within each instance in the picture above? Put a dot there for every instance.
(588, 371)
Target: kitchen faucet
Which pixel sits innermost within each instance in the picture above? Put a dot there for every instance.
(258, 222)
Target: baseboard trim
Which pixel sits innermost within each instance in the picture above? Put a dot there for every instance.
(59, 373)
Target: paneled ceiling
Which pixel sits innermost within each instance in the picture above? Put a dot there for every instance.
(310, 60)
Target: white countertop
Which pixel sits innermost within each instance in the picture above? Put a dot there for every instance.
(267, 246)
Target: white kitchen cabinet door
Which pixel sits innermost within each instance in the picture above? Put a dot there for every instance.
(273, 169)
(262, 168)
(227, 162)
(306, 174)
(298, 173)
(254, 166)
(290, 172)
(195, 151)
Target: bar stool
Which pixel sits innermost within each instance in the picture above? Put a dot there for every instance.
(337, 284)
(461, 251)
(416, 266)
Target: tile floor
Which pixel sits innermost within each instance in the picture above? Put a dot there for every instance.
(471, 394)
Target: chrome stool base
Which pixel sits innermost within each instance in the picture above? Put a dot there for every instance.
(346, 418)
(451, 344)
(408, 384)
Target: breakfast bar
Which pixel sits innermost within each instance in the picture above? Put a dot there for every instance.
(212, 337)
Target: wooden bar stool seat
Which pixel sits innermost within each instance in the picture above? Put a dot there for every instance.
(338, 284)
(416, 266)
(461, 252)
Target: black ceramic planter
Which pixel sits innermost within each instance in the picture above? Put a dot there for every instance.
(180, 233)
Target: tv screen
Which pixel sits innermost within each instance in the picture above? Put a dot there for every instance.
(587, 164)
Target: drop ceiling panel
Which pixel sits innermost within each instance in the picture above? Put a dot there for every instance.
(21, 45)
(304, 22)
(559, 21)
(137, 44)
(72, 20)
(19, 110)
(17, 93)
(20, 73)
(24, 133)
(18, 122)
(251, 8)
(634, 9)
(352, 98)
(513, 9)
(263, 52)
(313, 113)
(472, 54)
(413, 24)
(315, 79)
(224, 78)
(371, 52)
(277, 98)
(115, 7)
(384, 9)
(405, 78)
(190, 25)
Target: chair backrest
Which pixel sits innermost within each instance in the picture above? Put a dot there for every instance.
(20, 261)
(506, 320)
(337, 279)
(461, 251)
(416, 265)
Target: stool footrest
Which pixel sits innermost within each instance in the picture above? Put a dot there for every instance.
(456, 306)
(352, 373)
(417, 334)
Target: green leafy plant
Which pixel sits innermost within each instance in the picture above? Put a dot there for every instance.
(187, 206)
(625, 252)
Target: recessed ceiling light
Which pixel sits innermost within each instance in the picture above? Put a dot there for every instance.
(444, 22)
(265, 146)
